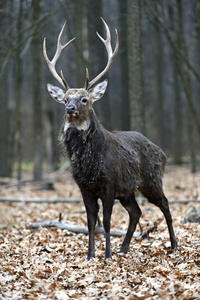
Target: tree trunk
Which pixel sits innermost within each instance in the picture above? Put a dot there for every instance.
(178, 120)
(159, 101)
(191, 138)
(17, 93)
(125, 103)
(5, 170)
(136, 92)
(197, 57)
(186, 80)
(78, 55)
(37, 101)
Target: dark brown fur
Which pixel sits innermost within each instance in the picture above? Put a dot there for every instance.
(113, 165)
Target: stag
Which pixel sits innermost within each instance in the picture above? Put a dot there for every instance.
(107, 165)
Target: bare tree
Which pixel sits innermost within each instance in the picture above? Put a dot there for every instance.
(124, 66)
(17, 92)
(5, 170)
(186, 80)
(79, 49)
(158, 63)
(135, 66)
(36, 93)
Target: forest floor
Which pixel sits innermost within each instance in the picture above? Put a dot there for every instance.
(51, 263)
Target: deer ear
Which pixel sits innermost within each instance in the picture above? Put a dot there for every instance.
(98, 91)
(56, 93)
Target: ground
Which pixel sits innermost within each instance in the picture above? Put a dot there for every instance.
(51, 263)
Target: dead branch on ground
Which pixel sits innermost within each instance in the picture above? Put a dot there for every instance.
(74, 228)
(78, 200)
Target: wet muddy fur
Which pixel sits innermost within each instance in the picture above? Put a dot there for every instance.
(113, 165)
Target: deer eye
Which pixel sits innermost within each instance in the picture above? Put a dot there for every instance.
(84, 100)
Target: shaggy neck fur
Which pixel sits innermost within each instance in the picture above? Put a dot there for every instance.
(84, 144)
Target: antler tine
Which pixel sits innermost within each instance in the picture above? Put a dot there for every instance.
(111, 54)
(87, 79)
(52, 63)
(64, 81)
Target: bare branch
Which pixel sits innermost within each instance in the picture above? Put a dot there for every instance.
(79, 200)
(74, 228)
(172, 41)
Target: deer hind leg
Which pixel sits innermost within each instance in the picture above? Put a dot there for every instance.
(165, 209)
(134, 212)
(157, 197)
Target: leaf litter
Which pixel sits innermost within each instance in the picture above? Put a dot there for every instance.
(51, 264)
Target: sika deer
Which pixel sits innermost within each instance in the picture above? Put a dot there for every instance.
(107, 165)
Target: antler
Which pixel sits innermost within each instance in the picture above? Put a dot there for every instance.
(52, 63)
(111, 56)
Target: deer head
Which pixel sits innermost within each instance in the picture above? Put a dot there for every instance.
(78, 101)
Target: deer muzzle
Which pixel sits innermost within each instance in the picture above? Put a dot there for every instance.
(70, 109)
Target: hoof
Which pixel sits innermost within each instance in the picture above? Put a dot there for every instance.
(90, 257)
(108, 256)
(174, 245)
(123, 250)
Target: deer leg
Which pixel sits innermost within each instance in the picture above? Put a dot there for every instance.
(107, 211)
(164, 207)
(158, 198)
(134, 212)
(92, 208)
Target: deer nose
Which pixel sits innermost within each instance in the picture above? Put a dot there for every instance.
(70, 108)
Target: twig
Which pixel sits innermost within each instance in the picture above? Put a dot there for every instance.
(145, 234)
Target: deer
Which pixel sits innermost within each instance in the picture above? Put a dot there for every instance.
(107, 165)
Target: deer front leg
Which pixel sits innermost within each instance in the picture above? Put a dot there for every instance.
(107, 211)
(92, 208)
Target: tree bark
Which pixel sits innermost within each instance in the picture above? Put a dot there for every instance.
(158, 63)
(79, 49)
(186, 80)
(178, 105)
(124, 67)
(136, 92)
(5, 167)
(17, 93)
(37, 96)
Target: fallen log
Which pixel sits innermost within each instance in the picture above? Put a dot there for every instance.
(78, 200)
(74, 228)
(41, 200)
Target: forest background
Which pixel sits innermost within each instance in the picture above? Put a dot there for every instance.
(153, 84)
